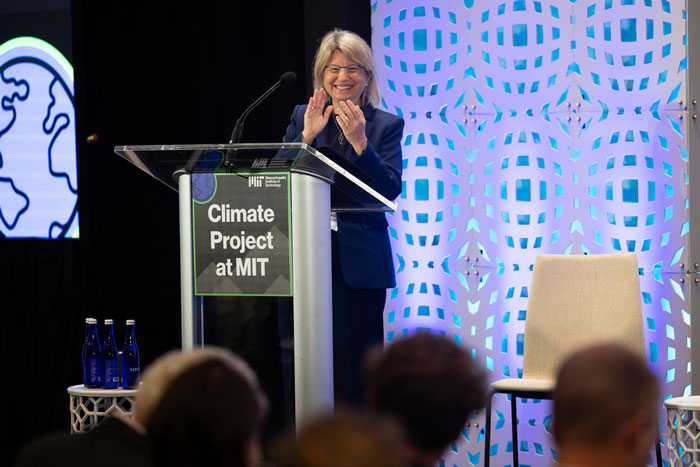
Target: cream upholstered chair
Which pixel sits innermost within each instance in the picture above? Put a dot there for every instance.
(575, 301)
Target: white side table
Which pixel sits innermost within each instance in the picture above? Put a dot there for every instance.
(89, 406)
(683, 431)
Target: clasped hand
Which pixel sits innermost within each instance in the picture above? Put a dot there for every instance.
(349, 116)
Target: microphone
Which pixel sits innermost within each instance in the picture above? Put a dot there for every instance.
(287, 79)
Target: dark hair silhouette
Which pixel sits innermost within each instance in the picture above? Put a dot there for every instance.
(209, 415)
(430, 385)
(598, 390)
(346, 439)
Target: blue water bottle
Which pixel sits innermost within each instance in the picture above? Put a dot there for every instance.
(87, 331)
(92, 353)
(131, 366)
(110, 364)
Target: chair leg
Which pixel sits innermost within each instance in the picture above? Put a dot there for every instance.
(514, 422)
(659, 459)
(487, 428)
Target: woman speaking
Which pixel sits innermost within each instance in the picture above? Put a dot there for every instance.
(342, 116)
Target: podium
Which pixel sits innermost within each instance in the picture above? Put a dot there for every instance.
(255, 220)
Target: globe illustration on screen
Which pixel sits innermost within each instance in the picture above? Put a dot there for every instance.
(38, 168)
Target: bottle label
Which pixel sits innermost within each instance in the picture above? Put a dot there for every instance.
(111, 373)
(94, 373)
(131, 370)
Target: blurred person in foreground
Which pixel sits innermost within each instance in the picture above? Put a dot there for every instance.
(121, 440)
(431, 386)
(210, 414)
(605, 408)
(346, 439)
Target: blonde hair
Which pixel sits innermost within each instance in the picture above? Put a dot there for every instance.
(357, 50)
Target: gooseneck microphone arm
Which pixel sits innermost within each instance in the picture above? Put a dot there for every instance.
(237, 132)
(287, 79)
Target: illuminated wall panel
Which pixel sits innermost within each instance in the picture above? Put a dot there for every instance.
(534, 127)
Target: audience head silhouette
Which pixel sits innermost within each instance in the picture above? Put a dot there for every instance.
(346, 439)
(605, 408)
(210, 411)
(431, 386)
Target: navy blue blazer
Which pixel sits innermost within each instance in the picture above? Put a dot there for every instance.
(364, 252)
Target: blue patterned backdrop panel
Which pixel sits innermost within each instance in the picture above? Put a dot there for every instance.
(534, 127)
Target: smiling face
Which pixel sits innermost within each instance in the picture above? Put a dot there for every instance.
(343, 85)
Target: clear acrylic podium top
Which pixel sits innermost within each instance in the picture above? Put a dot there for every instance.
(351, 190)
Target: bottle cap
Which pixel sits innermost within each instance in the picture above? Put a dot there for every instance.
(109, 321)
(130, 322)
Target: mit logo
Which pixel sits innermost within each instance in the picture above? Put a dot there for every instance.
(259, 163)
(255, 180)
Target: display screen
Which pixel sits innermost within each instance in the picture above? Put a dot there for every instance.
(38, 166)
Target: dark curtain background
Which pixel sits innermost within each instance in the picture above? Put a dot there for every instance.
(146, 73)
